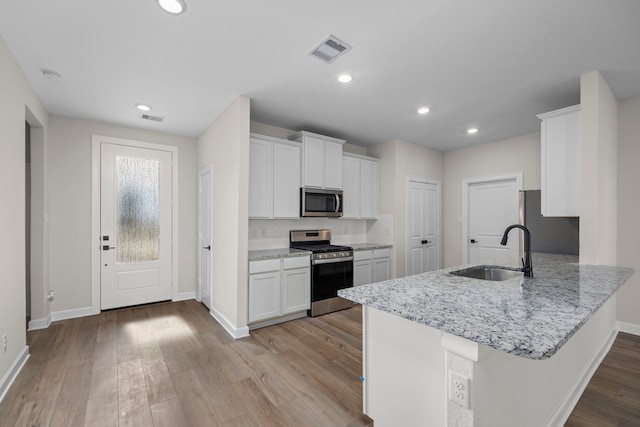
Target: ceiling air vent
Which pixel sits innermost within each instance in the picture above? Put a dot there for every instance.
(152, 118)
(330, 49)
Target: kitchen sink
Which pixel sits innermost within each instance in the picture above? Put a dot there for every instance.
(488, 272)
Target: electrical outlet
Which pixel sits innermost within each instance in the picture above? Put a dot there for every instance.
(50, 295)
(459, 389)
(4, 343)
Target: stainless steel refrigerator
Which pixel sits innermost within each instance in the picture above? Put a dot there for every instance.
(559, 235)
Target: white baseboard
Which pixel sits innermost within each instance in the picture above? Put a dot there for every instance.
(71, 314)
(13, 371)
(183, 296)
(629, 328)
(231, 329)
(40, 323)
(561, 415)
(281, 319)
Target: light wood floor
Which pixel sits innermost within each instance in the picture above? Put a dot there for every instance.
(171, 364)
(612, 397)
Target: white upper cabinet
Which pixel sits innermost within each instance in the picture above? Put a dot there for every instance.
(560, 162)
(274, 178)
(361, 186)
(321, 160)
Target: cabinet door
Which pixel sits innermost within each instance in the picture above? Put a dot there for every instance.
(560, 175)
(381, 269)
(296, 290)
(350, 187)
(286, 181)
(362, 272)
(369, 187)
(313, 162)
(260, 181)
(333, 165)
(264, 296)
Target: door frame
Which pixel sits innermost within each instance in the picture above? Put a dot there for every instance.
(96, 141)
(206, 169)
(466, 183)
(407, 208)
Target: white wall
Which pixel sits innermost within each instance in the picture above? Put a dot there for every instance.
(598, 175)
(400, 160)
(69, 181)
(16, 97)
(629, 208)
(520, 154)
(225, 145)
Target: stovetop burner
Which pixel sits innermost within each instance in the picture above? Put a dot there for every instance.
(321, 247)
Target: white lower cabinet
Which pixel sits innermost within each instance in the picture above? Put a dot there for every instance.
(371, 266)
(278, 288)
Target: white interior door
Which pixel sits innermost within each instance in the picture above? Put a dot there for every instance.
(135, 225)
(204, 233)
(492, 207)
(423, 240)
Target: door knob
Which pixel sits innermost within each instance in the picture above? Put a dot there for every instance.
(207, 247)
(107, 247)
(424, 242)
(474, 241)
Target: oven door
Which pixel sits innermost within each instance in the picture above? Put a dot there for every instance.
(327, 278)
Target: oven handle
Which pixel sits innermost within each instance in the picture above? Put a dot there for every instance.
(337, 203)
(331, 260)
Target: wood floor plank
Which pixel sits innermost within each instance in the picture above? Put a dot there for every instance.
(133, 400)
(168, 413)
(102, 411)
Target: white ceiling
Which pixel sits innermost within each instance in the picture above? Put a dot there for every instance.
(493, 64)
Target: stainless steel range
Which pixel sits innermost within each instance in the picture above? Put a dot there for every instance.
(331, 269)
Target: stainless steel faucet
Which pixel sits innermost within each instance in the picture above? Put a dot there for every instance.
(526, 262)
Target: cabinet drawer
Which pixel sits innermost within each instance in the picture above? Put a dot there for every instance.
(295, 262)
(358, 255)
(264, 266)
(382, 253)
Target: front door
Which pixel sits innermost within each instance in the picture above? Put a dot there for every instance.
(492, 207)
(423, 227)
(135, 225)
(204, 232)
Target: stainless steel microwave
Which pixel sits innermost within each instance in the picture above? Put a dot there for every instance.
(317, 202)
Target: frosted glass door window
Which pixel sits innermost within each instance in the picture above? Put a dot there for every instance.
(137, 210)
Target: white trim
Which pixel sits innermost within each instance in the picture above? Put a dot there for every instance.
(466, 183)
(276, 320)
(460, 346)
(629, 328)
(228, 326)
(72, 313)
(35, 324)
(184, 296)
(96, 140)
(407, 241)
(562, 413)
(14, 370)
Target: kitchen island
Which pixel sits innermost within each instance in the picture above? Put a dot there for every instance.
(527, 345)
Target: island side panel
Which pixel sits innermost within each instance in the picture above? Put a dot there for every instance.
(509, 390)
(404, 370)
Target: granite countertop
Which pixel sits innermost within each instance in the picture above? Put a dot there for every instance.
(531, 317)
(369, 246)
(261, 255)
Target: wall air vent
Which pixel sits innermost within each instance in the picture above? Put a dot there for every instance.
(330, 49)
(152, 118)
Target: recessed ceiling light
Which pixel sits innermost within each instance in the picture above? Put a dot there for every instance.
(472, 130)
(174, 7)
(423, 110)
(344, 78)
(143, 107)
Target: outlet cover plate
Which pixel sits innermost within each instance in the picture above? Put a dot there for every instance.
(459, 389)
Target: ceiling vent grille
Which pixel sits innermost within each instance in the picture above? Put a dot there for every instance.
(330, 49)
(152, 118)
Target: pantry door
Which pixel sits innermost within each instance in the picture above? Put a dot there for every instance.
(490, 205)
(423, 226)
(135, 225)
